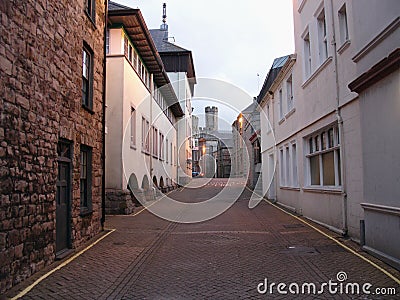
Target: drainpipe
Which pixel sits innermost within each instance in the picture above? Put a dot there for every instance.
(341, 134)
(103, 154)
(150, 136)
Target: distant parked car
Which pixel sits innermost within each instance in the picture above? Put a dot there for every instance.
(195, 174)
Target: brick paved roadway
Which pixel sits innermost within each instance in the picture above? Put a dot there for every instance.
(224, 258)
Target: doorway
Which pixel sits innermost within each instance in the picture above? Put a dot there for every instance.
(63, 198)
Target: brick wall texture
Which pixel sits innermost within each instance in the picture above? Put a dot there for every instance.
(41, 44)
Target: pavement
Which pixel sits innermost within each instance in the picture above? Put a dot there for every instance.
(244, 253)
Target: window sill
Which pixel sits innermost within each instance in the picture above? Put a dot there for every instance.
(281, 121)
(133, 146)
(145, 152)
(291, 112)
(345, 45)
(316, 72)
(85, 212)
(290, 188)
(87, 108)
(323, 189)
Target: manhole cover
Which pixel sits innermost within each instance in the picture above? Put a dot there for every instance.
(119, 243)
(297, 225)
(301, 250)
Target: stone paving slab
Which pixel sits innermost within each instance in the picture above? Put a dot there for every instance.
(223, 258)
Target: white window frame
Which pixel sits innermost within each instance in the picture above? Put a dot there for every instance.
(307, 53)
(282, 167)
(294, 167)
(281, 114)
(319, 144)
(133, 127)
(289, 93)
(322, 36)
(343, 25)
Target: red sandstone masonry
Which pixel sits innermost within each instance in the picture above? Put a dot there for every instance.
(40, 87)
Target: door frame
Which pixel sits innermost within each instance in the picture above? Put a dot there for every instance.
(63, 252)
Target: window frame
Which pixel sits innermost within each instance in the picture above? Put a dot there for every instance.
(85, 179)
(322, 37)
(87, 101)
(281, 112)
(343, 25)
(289, 93)
(307, 61)
(133, 127)
(90, 10)
(318, 145)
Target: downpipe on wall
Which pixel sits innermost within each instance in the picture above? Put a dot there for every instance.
(341, 135)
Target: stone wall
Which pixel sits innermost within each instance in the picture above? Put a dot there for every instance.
(40, 87)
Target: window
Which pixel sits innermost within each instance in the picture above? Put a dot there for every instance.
(269, 121)
(86, 179)
(282, 167)
(126, 46)
(257, 152)
(295, 181)
(161, 147)
(135, 60)
(171, 153)
(307, 55)
(322, 37)
(87, 77)
(108, 41)
(166, 150)
(280, 105)
(130, 53)
(90, 9)
(289, 88)
(133, 127)
(287, 166)
(145, 136)
(344, 30)
(155, 142)
(324, 158)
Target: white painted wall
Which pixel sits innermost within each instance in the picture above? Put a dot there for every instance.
(125, 90)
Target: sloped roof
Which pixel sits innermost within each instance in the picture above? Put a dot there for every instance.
(272, 74)
(116, 6)
(175, 58)
(136, 28)
(160, 38)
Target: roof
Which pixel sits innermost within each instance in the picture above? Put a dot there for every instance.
(160, 38)
(116, 6)
(249, 109)
(135, 27)
(272, 74)
(175, 58)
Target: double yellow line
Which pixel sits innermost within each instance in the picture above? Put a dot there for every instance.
(397, 280)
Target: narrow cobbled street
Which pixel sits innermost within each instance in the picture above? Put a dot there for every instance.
(229, 257)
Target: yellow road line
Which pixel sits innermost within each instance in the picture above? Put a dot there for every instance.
(397, 280)
(29, 288)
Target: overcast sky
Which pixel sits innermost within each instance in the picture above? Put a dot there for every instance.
(230, 40)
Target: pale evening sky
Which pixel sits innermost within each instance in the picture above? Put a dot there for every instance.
(230, 40)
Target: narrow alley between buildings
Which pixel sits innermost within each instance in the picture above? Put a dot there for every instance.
(241, 254)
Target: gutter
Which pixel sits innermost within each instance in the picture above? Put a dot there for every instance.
(341, 134)
(103, 121)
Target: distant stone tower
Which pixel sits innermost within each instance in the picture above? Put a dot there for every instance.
(211, 118)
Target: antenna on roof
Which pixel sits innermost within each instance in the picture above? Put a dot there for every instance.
(164, 25)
